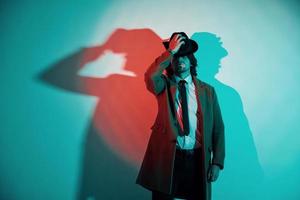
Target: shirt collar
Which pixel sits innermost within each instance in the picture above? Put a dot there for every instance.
(188, 79)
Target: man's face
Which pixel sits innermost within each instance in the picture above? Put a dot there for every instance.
(180, 64)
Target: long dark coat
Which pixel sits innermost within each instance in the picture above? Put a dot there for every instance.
(156, 172)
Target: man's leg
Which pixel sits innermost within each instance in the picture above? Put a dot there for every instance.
(196, 185)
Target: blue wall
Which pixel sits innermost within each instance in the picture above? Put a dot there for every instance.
(43, 128)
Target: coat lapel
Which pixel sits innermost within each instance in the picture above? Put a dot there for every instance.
(173, 88)
(199, 94)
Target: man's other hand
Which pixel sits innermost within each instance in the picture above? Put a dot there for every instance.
(213, 173)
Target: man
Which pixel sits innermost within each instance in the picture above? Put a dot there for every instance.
(186, 148)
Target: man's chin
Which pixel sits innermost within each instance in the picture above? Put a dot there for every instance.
(182, 70)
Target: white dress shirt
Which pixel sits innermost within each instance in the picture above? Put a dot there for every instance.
(188, 141)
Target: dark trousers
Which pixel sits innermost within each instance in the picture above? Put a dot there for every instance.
(187, 178)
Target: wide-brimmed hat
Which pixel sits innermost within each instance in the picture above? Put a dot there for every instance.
(189, 47)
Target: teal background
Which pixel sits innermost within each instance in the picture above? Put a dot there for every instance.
(42, 127)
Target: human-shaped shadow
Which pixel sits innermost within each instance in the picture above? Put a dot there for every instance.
(119, 130)
(242, 172)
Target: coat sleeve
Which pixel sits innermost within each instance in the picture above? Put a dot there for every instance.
(154, 74)
(218, 137)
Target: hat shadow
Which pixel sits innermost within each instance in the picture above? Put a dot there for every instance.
(118, 131)
(242, 170)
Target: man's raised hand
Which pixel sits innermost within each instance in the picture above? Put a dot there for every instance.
(176, 43)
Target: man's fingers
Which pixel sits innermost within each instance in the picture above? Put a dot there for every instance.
(175, 38)
(209, 174)
(176, 42)
(215, 178)
(212, 175)
(181, 38)
(181, 43)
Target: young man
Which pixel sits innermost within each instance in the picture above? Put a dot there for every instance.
(186, 148)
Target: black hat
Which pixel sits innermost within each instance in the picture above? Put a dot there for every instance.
(189, 47)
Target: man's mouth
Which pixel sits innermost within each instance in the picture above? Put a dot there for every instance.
(181, 65)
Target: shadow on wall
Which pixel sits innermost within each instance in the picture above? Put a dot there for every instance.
(242, 174)
(119, 130)
(118, 133)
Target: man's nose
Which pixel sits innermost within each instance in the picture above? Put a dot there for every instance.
(181, 59)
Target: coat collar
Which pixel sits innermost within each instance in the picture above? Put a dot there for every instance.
(188, 79)
(173, 85)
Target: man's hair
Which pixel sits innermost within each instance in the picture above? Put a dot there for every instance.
(193, 62)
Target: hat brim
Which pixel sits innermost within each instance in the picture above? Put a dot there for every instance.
(188, 48)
